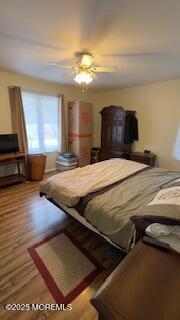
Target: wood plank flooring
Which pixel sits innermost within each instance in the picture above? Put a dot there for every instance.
(25, 219)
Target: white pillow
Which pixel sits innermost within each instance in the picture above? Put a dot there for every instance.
(165, 234)
(167, 196)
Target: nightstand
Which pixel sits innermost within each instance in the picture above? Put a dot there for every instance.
(95, 155)
(142, 157)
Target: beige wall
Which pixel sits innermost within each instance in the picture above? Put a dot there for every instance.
(9, 79)
(157, 106)
(158, 113)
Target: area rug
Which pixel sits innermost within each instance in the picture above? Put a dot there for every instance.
(66, 267)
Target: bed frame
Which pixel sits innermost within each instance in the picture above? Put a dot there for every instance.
(74, 214)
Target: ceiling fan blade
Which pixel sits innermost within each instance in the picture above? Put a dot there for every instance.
(104, 15)
(104, 69)
(30, 42)
(134, 54)
(59, 65)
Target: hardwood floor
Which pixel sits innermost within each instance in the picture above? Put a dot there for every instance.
(25, 219)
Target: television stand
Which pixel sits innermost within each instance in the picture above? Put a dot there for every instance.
(13, 158)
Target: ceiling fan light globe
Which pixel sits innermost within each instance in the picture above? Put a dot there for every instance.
(86, 60)
(83, 77)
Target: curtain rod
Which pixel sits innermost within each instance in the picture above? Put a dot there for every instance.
(37, 90)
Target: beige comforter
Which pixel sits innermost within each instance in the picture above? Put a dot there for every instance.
(68, 187)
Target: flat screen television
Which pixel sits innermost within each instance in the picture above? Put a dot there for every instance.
(8, 143)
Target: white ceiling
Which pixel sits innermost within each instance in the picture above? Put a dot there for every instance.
(140, 37)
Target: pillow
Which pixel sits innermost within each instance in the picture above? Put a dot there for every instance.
(164, 208)
(165, 234)
(142, 222)
(169, 195)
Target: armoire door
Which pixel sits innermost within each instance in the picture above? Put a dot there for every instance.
(113, 128)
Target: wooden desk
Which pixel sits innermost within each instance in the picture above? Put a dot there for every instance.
(13, 158)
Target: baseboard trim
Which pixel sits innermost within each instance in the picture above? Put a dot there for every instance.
(50, 170)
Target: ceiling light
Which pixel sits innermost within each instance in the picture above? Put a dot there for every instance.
(83, 78)
(86, 60)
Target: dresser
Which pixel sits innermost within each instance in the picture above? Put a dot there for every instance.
(144, 286)
(143, 157)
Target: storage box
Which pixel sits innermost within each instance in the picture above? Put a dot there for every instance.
(61, 167)
(79, 117)
(82, 148)
(79, 130)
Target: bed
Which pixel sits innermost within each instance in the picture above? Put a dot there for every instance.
(116, 197)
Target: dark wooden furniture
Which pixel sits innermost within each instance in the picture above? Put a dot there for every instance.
(143, 157)
(112, 133)
(144, 286)
(17, 159)
(95, 155)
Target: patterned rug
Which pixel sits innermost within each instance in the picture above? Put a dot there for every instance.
(66, 267)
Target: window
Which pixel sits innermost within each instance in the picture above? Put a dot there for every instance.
(176, 151)
(42, 121)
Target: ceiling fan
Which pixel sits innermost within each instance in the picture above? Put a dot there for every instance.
(84, 69)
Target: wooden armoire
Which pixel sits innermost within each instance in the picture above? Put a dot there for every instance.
(113, 132)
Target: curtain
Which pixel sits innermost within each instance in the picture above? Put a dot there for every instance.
(62, 125)
(17, 116)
